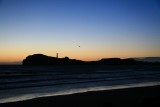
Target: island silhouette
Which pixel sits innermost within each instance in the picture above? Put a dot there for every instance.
(40, 59)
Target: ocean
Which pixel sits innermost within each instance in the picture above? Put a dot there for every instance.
(19, 83)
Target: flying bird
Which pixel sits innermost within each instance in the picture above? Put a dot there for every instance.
(78, 45)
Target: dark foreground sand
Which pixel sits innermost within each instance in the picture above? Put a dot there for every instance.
(131, 97)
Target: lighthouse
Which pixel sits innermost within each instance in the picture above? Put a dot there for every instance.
(57, 55)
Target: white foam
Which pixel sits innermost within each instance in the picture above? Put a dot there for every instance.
(36, 92)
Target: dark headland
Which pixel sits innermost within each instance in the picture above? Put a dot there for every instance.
(40, 59)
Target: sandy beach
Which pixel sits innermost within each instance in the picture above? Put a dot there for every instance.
(130, 97)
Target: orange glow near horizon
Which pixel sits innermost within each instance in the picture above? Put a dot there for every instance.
(87, 52)
(83, 55)
(85, 30)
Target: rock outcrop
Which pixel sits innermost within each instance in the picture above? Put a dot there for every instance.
(40, 59)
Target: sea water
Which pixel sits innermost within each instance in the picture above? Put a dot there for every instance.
(19, 83)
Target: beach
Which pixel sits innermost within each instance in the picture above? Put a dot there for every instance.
(80, 53)
(129, 97)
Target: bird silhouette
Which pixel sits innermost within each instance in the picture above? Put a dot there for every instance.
(78, 45)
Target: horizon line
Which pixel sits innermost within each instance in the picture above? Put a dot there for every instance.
(20, 62)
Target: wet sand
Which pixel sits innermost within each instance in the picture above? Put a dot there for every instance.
(130, 97)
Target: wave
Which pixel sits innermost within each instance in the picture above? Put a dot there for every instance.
(50, 91)
(23, 83)
(44, 80)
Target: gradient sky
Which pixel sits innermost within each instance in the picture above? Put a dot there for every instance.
(103, 28)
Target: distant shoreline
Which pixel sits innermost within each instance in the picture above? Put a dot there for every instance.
(43, 60)
(144, 59)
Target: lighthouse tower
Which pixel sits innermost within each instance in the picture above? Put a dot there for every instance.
(57, 55)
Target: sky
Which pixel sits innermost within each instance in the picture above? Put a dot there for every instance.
(102, 28)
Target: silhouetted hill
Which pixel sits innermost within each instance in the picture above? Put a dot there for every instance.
(149, 59)
(40, 59)
(118, 61)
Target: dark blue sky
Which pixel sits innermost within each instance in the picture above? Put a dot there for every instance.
(103, 28)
